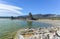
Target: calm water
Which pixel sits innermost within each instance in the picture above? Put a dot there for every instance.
(8, 25)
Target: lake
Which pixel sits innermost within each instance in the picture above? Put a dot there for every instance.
(8, 26)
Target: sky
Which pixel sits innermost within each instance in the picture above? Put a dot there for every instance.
(23, 7)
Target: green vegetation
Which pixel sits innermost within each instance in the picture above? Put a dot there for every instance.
(30, 15)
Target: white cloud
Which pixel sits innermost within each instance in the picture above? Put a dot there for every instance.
(9, 9)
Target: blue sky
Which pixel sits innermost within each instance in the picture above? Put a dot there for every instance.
(36, 6)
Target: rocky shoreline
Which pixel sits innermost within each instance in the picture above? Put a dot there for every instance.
(39, 33)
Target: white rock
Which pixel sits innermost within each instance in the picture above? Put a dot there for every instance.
(20, 37)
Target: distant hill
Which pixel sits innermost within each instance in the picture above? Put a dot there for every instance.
(36, 16)
(39, 16)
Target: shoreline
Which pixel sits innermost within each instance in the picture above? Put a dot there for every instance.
(54, 29)
(32, 33)
(53, 22)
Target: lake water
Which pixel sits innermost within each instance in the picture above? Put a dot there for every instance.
(7, 26)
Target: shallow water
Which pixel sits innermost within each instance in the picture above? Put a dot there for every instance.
(8, 26)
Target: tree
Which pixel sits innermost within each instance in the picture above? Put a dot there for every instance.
(30, 15)
(12, 17)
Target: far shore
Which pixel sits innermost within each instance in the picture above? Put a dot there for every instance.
(53, 22)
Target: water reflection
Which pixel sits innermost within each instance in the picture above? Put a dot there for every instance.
(29, 23)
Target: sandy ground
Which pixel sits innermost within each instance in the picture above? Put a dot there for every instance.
(53, 22)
